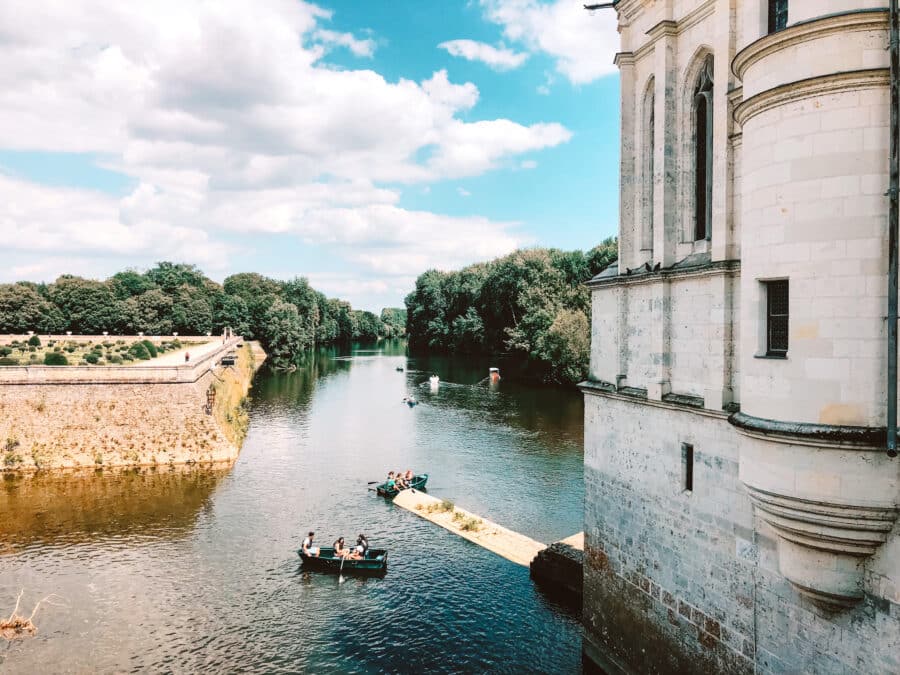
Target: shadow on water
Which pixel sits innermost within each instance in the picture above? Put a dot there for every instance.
(198, 571)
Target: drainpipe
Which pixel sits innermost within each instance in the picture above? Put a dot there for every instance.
(892, 232)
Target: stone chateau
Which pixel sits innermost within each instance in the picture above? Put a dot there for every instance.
(741, 512)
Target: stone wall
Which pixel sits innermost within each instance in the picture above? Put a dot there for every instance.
(64, 425)
(686, 582)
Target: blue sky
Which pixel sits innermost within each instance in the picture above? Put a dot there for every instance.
(355, 143)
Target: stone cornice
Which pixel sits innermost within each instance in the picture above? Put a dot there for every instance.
(674, 28)
(857, 20)
(710, 269)
(805, 433)
(813, 86)
(623, 59)
(680, 403)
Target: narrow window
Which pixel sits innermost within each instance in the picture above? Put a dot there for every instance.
(778, 15)
(777, 318)
(687, 467)
(703, 152)
(649, 152)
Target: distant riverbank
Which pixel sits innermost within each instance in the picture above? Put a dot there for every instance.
(114, 416)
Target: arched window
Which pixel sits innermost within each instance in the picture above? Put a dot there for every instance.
(649, 150)
(703, 151)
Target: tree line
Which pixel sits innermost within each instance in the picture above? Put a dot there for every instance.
(287, 317)
(531, 304)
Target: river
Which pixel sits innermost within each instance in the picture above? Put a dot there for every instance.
(190, 570)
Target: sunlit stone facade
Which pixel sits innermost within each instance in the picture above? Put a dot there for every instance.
(740, 509)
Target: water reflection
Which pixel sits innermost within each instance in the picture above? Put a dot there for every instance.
(80, 506)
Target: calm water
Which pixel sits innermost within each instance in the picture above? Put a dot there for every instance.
(194, 570)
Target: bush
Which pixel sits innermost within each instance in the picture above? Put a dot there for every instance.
(150, 348)
(8, 361)
(55, 359)
(115, 359)
(5, 351)
(32, 349)
(127, 357)
(71, 348)
(92, 358)
(34, 341)
(139, 351)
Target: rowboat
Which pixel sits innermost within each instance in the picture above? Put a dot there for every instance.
(418, 482)
(374, 563)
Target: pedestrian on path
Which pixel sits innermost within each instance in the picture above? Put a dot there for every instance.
(187, 357)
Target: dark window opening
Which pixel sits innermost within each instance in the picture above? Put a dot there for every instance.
(777, 306)
(687, 466)
(703, 153)
(778, 15)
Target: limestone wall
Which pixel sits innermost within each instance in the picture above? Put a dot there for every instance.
(686, 582)
(63, 425)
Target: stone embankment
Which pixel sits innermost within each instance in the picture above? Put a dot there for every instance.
(559, 566)
(148, 415)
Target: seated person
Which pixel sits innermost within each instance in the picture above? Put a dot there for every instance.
(362, 545)
(399, 483)
(408, 476)
(390, 482)
(339, 550)
(308, 548)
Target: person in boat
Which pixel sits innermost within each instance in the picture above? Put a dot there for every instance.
(408, 476)
(308, 548)
(340, 551)
(390, 482)
(399, 483)
(358, 552)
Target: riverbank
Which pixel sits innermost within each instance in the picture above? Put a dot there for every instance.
(132, 416)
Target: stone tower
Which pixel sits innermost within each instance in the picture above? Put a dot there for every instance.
(740, 509)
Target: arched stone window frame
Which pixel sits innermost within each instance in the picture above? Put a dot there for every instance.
(648, 149)
(700, 68)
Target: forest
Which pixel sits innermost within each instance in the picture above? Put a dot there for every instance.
(531, 305)
(287, 317)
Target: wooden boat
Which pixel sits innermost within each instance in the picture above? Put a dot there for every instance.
(374, 563)
(418, 483)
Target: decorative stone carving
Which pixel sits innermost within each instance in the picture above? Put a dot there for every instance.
(830, 494)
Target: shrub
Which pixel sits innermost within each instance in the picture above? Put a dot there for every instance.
(139, 351)
(150, 348)
(5, 351)
(32, 349)
(34, 341)
(8, 361)
(127, 357)
(71, 348)
(115, 359)
(92, 357)
(107, 343)
(55, 359)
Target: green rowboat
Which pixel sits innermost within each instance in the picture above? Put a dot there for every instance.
(417, 483)
(374, 563)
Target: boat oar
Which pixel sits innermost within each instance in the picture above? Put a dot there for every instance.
(372, 482)
(341, 571)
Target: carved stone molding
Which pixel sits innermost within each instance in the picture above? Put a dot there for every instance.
(831, 501)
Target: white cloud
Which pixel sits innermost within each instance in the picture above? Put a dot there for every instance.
(227, 116)
(358, 47)
(463, 192)
(582, 43)
(528, 164)
(498, 58)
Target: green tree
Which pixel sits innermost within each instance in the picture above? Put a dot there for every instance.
(149, 313)
(23, 309)
(286, 335)
(130, 283)
(89, 307)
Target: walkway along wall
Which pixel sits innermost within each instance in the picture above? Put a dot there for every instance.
(98, 416)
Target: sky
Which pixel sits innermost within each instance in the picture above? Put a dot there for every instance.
(354, 143)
